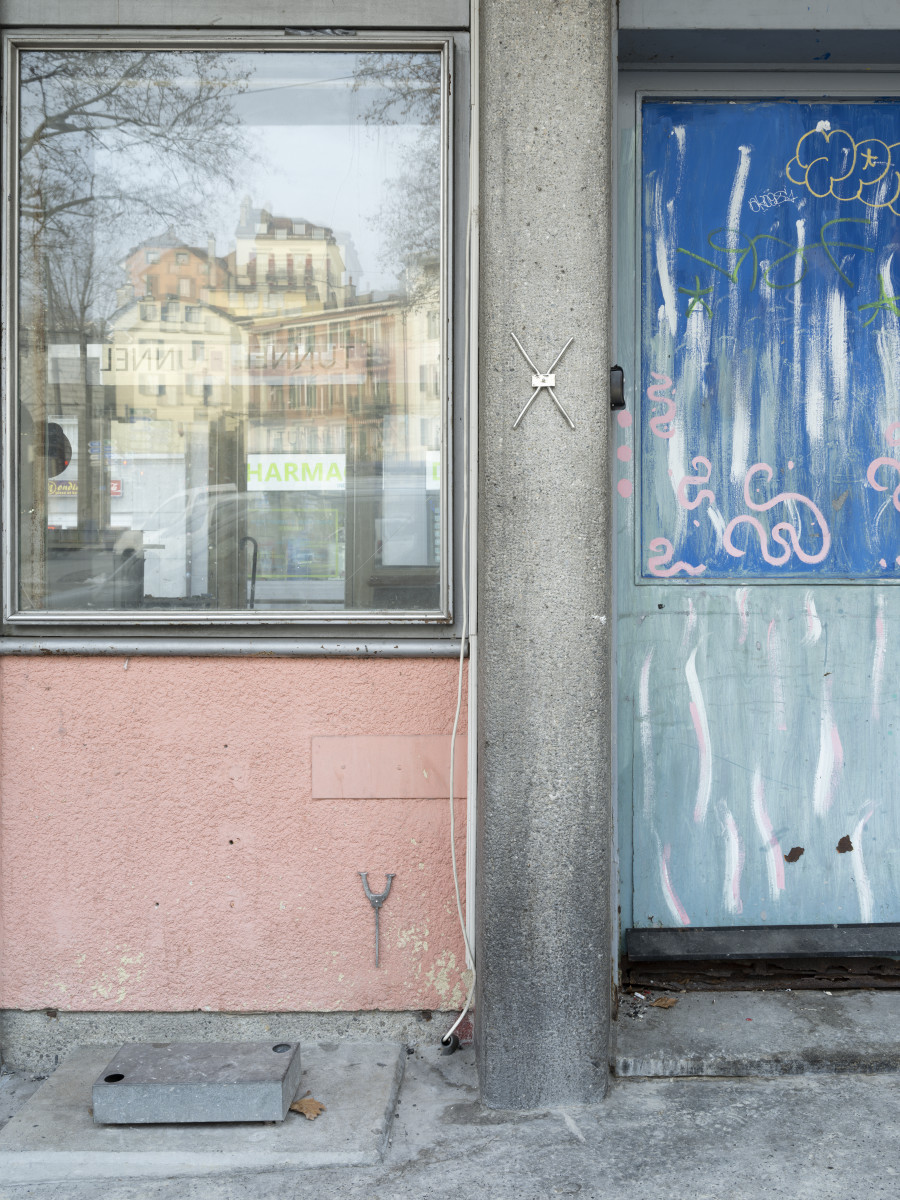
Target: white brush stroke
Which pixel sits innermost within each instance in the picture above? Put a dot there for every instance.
(665, 283)
(734, 864)
(774, 856)
(738, 187)
(839, 355)
(704, 749)
(798, 323)
(814, 393)
(860, 876)
(740, 426)
(813, 624)
(878, 657)
(740, 416)
(690, 623)
(647, 734)
(831, 756)
(718, 524)
(676, 909)
(773, 648)
(740, 599)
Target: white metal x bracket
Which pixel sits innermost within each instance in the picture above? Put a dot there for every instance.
(541, 380)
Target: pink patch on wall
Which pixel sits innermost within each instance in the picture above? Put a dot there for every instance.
(624, 454)
(624, 487)
(408, 768)
(624, 419)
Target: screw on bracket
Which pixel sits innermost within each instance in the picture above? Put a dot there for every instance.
(376, 900)
(541, 380)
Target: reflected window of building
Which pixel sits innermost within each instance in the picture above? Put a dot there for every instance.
(290, 207)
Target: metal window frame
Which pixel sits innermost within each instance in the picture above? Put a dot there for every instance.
(41, 630)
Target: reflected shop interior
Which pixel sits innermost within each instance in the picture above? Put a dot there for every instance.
(231, 332)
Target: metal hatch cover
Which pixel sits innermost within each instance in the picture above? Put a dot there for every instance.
(166, 1082)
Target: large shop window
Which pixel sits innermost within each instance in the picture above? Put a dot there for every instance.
(231, 327)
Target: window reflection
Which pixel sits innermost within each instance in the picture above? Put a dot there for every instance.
(228, 402)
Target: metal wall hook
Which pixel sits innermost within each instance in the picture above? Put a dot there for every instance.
(376, 899)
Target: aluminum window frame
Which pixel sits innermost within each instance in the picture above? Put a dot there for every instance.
(397, 626)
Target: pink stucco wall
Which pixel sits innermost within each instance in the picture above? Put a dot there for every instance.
(161, 849)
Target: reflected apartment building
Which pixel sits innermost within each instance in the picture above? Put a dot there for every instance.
(252, 432)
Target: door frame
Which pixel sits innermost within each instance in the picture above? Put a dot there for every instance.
(637, 82)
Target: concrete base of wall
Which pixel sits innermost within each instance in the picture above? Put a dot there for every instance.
(38, 1041)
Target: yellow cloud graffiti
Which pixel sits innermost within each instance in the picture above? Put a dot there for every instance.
(830, 162)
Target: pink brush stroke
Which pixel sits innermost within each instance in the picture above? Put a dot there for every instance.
(774, 855)
(654, 395)
(676, 908)
(881, 487)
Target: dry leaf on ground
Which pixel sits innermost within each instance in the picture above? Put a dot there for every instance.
(664, 1002)
(308, 1107)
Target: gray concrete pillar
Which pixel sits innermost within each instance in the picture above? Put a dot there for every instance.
(543, 910)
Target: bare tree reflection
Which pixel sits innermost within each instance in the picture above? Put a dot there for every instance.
(108, 132)
(112, 143)
(408, 91)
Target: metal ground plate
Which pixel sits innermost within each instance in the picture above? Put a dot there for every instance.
(53, 1136)
(164, 1082)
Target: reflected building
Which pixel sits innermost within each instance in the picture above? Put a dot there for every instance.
(274, 436)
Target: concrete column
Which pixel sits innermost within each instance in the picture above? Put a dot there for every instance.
(543, 911)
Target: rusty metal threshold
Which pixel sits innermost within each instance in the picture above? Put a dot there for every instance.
(761, 974)
(792, 957)
(763, 941)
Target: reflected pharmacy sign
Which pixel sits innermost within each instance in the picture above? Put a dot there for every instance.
(296, 472)
(432, 470)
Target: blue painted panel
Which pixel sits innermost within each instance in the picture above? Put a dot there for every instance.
(770, 394)
(758, 730)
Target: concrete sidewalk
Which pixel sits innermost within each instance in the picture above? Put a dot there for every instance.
(800, 1136)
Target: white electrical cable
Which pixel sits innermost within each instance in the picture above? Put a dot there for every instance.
(472, 202)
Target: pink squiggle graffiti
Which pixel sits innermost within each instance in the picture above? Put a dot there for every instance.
(654, 396)
(692, 480)
(873, 468)
(781, 529)
(662, 551)
(676, 908)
